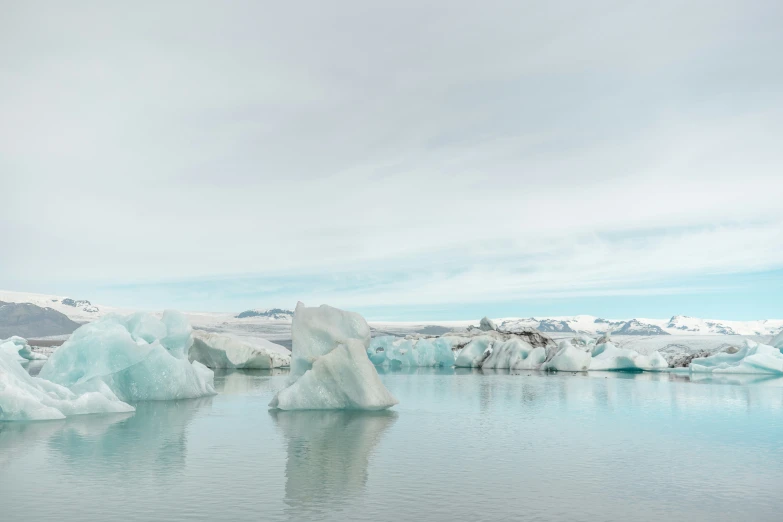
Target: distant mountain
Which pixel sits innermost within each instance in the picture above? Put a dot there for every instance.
(272, 313)
(677, 325)
(635, 327)
(30, 321)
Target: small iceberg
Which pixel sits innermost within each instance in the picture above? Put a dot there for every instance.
(216, 350)
(19, 348)
(138, 357)
(330, 369)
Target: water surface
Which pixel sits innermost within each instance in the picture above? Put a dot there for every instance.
(462, 445)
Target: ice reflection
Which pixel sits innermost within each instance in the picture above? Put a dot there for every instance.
(328, 453)
(151, 441)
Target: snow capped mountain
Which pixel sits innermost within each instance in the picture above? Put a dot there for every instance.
(636, 327)
(260, 321)
(677, 325)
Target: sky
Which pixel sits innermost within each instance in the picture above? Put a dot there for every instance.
(404, 159)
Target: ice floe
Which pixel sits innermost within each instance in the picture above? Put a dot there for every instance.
(330, 368)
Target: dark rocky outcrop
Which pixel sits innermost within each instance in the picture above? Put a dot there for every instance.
(28, 320)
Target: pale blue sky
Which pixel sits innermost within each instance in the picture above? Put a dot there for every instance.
(404, 159)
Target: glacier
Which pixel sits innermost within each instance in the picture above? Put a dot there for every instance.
(138, 357)
(216, 350)
(330, 369)
(752, 357)
(27, 398)
(19, 348)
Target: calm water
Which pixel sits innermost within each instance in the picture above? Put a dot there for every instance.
(460, 446)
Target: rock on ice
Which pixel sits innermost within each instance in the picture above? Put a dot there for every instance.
(330, 369)
(139, 357)
(216, 350)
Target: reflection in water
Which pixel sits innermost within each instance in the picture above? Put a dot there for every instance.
(328, 454)
(230, 381)
(151, 441)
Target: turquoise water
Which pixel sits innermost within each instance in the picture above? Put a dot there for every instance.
(462, 445)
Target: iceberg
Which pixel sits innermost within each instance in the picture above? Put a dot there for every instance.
(752, 357)
(777, 341)
(515, 354)
(395, 352)
(568, 358)
(474, 353)
(26, 398)
(487, 325)
(216, 350)
(607, 356)
(19, 348)
(330, 369)
(138, 357)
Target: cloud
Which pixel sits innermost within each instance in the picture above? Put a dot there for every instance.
(397, 153)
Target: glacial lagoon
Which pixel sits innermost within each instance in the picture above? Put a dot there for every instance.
(461, 445)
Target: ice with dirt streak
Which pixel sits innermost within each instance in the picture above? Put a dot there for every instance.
(330, 369)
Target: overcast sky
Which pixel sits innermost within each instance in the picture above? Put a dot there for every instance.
(404, 159)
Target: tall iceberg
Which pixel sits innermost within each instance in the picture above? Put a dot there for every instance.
(330, 369)
(216, 350)
(26, 398)
(138, 357)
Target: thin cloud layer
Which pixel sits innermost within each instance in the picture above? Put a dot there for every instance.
(398, 154)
